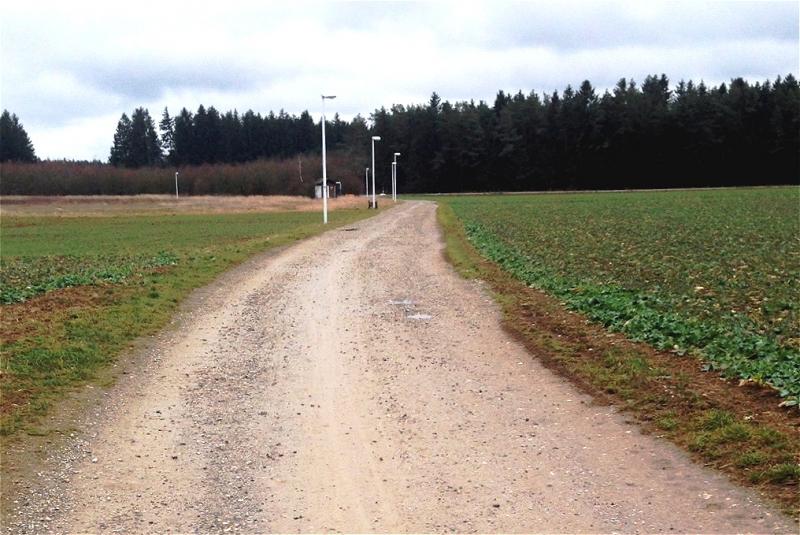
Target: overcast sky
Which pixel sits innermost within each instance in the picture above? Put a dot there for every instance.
(70, 69)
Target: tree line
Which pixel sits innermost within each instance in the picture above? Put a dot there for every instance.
(633, 136)
(210, 137)
(644, 135)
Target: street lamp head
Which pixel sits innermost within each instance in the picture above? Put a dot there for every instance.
(397, 154)
(329, 96)
(376, 138)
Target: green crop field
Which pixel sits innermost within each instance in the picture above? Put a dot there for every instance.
(712, 273)
(75, 291)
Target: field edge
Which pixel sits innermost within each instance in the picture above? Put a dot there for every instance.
(738, 430)
(111, 307)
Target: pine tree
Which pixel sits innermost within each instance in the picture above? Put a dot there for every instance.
(183, 137)
(213, 136)
(167, 128)
(307, 136)
(136, 142)
(145, 148)
(252, 135)
(155, 155)
(207, 144)
(231, 131)
(15, 145)
(120, 151)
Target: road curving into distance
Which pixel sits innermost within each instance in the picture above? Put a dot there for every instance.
(353, 382)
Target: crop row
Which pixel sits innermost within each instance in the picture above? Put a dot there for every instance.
(710, 273)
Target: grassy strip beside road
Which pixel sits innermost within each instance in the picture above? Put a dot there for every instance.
(77, 290)
(740, 430)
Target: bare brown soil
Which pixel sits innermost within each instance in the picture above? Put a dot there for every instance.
(38, 314)
(100, 205)
(353, 382)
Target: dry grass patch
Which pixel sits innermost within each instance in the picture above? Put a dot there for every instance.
(109, 205)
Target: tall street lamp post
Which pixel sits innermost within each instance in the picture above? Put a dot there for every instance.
(374, 200)
(394, 177)
(324, 164)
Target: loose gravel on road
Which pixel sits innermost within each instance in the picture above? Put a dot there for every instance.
(354, 383)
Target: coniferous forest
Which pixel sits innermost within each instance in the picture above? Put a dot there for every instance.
(648, 135)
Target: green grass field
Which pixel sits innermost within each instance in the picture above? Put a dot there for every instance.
(75, 291)
(713, 273)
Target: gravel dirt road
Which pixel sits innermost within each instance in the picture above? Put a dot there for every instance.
(353, 382)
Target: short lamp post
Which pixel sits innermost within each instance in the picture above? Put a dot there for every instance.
(176, 184)
(324, 164)
(366, 182)
(374, 200)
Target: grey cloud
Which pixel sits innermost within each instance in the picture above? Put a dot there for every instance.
(60, 110)
(99, 88)
(587, 25)
(149, 80)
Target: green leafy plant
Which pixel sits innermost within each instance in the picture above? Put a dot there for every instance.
(708, 273)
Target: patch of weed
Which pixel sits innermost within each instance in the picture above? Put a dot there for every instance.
(781, 474)
(751, 458)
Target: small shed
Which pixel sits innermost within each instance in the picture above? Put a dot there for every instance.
(334, 189)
